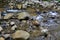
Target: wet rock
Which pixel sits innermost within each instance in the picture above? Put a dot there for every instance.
(20, 34)
(39, 18)
(53, 13)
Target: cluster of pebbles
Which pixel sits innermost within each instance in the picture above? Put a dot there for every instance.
(39, 27)
(44, 25)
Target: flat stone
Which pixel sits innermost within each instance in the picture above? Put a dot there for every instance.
(8, 16)
(22, 15)
(20, 34)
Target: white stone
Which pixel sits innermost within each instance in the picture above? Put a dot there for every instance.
(53, 13)
(13, 27)
(44, 30)
(12, 23)
(39, 18)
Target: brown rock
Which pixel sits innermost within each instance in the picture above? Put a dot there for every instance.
(22, 15)
(1, 38)
(20, 34)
